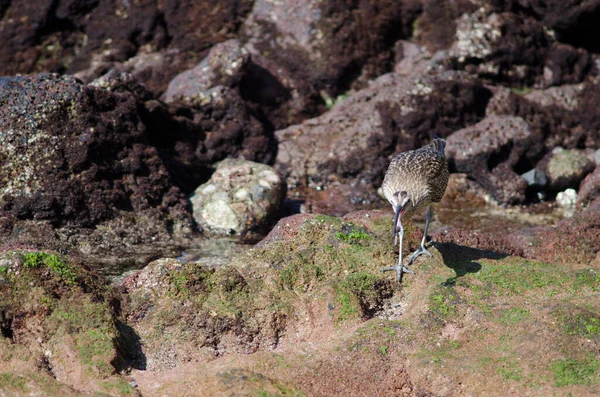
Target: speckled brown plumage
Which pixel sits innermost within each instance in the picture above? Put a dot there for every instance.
(413, 181)
(423, 173)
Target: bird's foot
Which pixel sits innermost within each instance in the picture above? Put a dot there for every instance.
(400, 270)
(417, 253)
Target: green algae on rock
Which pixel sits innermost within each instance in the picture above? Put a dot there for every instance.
(59, 325)
(250, 304)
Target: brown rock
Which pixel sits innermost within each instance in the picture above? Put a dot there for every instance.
(357, 138)
(64, 36)
(488, 151)
(192, 136)
(565, 168)
(513, 48)
(475, 239)
(322, 45)
(77, 156)
(224, 66)
(573, 240)
(589, 189)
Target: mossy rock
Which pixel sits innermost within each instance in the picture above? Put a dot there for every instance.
(247, 305)
(57, 313)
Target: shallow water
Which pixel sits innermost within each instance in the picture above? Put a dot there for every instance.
(489, 217)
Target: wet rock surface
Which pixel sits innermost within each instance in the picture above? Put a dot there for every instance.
(241, 197)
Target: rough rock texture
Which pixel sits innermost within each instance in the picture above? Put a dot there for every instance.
(224, 66)
(240, 197)
(573, 21)
(565, 168)
(573, 240)
(589, 189)
(193, 135)
(489, 152)
(65, 35)
(475, 239)
(514, 49)
(57, 328)
(320, 45)
(77, 156)
(337, 317)
(355, 141)
(252, 304)
(435, 28)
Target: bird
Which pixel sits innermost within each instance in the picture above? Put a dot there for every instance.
(414, 180)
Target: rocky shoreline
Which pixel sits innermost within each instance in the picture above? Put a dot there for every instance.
(136, 136)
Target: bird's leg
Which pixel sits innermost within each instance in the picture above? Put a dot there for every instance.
(399, 268)
(422, 249)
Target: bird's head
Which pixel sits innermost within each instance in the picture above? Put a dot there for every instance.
(400, 199)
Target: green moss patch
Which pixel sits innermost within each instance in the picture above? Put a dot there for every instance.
(515, 276)
(61, 269)
(515, 315)
(12, 383)
(443, 300)
(576, 372)
(579, 321)
(587, 279)
(92, 328)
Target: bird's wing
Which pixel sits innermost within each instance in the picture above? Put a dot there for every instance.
(438, 179)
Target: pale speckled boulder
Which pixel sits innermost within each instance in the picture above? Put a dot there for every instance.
(566, 168)
(241, 197)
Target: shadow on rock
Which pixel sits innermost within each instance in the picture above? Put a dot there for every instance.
(464, 259)
(129, 345)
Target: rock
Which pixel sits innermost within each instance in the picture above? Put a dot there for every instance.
(565, 96)
(475, 239)
(106, 33)
(116, 81)
(436, 27)
(514, 49)
(503, 47)
(411, 57)
(78, 156)
(589, 189)
(286, 229)
(463, 192)
(240, 197)
(573, 22)
(193, 136)
(572, 240)
(488, 151)
(224, 66)
(321, 45)
(351, 145)
(535, 177)
(566, 64)
(565, 168)
(567, 199)
(597, 157)
(251, 304)
(54, 311)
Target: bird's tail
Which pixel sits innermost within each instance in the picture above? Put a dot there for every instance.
(439, 145)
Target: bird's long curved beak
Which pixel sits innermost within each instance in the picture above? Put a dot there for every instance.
(397, 213)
